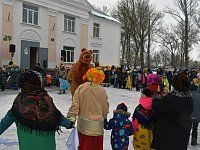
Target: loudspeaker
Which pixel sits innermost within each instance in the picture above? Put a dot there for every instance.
(12, 48)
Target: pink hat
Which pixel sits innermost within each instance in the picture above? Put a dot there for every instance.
(153, 78)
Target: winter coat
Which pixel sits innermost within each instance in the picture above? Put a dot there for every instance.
(90, 105)
(121, 128)
(3, 77)
(172, 128)
(143, 122)
(196, 106)
(14, 74)
(143, 113)
(64, 84)
(169, 77)
(34, 140)
(107, 76)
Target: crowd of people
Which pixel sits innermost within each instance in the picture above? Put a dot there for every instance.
(126, 78)
(167, 112)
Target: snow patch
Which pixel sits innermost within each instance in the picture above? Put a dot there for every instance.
(104, 16)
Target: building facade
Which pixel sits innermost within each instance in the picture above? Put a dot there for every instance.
(45, 30)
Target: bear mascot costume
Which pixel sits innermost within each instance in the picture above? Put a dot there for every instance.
(79, 69)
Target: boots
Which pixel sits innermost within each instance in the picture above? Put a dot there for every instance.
(194, 141)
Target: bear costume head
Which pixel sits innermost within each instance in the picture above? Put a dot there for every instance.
(86, 56)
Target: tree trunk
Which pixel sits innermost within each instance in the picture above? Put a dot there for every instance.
(142, 52)
(186, 36)
(123, 41)
(148, 50)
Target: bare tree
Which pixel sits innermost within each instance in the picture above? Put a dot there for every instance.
(184, 14)
(155, 22)
(157, 59)
(170, 43)
(139, 22)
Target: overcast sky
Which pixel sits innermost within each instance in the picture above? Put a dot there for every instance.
(160, 4)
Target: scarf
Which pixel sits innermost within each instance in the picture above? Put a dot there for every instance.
(36, 111)
(181, 94)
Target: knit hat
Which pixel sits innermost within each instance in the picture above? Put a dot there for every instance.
(30, 81)
(122, 107)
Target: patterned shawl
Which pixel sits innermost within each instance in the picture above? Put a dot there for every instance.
(35, 110)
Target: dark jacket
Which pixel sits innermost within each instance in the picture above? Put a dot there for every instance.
(3, 77)
(196, 106)
(107, 76)
(172, 128)
(121, 128)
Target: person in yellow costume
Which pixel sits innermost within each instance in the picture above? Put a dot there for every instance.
(129, 80)
(166, 84)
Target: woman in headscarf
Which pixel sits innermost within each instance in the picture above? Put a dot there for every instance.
(36, 117)
(90, 104)
(173, 116)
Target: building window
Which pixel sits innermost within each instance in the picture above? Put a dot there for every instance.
(96, 29)
(30, 14)
(95, 56)
(69, 24)
(67, 54)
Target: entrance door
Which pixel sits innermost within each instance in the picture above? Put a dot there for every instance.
(43, 57)
(33, 57)
(27, 49)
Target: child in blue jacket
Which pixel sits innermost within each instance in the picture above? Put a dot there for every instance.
(121, 128)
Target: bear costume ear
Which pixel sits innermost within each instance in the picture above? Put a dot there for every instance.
(91, 51)
(84, 49)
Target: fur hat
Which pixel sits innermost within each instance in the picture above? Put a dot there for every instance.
(122, 109)
(181, 82)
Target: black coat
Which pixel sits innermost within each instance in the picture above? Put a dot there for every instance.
(172, 127)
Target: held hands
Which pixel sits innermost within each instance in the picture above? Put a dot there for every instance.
(72, 125)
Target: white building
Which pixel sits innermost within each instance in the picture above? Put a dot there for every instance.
(44, 30)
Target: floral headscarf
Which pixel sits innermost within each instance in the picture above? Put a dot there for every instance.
(94, 75)
(33, 108)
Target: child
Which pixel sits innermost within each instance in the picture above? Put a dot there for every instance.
(48, 79)
(35, 115)
(142, 122)
(121, 128)
(64, 85)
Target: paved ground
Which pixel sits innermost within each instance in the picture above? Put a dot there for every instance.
(63, 103)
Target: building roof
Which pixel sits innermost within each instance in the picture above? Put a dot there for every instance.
(101, 14)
